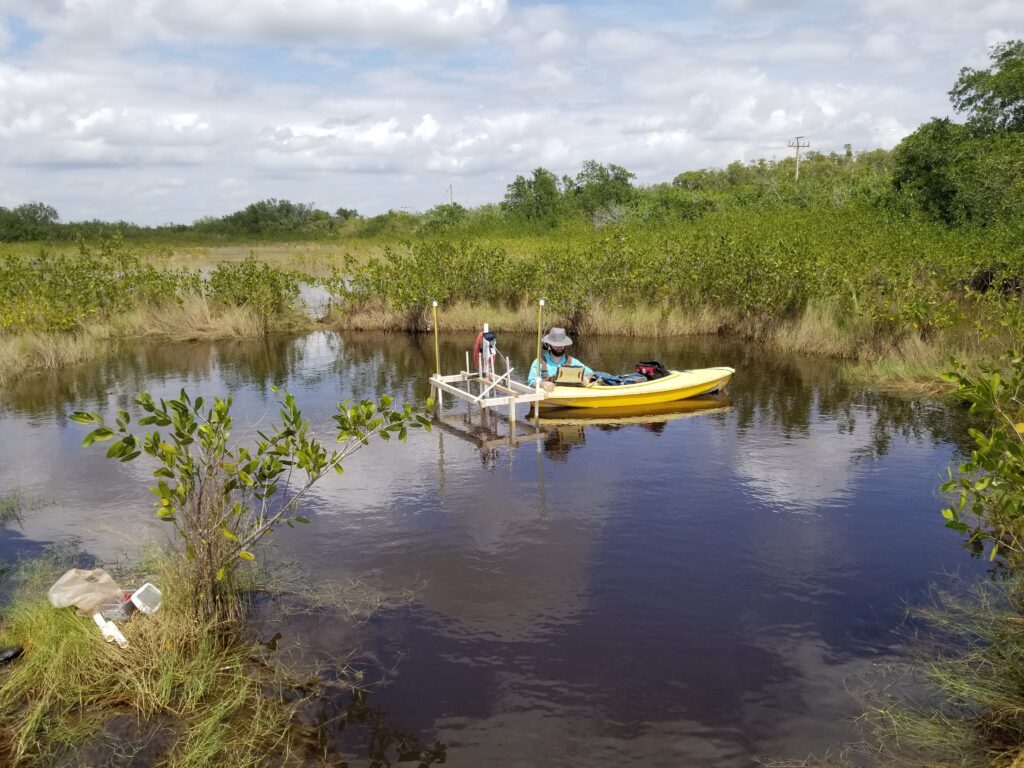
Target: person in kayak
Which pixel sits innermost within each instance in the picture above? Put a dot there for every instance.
(555, 356)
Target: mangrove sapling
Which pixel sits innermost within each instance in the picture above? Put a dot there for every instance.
(223, 499)
(270, 292)
(991, 482)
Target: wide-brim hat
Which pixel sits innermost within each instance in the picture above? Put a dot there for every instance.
(557, 337)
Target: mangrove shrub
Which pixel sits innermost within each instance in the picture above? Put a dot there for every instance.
(223, 498)
(989, 486)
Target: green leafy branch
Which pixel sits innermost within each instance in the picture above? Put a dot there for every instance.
(990, 484)
(224, 498)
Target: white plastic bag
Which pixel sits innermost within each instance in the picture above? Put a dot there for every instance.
(85, 590)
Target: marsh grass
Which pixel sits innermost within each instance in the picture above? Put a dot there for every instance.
(193, 318)
(12, 504)
(200, 685)
(958, 702)
(314, 258)
(904, 363)
(971, 662)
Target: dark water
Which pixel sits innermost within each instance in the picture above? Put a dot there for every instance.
(693, 589)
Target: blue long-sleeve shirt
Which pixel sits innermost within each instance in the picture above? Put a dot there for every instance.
(551, 365)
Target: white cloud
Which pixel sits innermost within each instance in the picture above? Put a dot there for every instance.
(357, 114)
(298, 21)
(426, 129)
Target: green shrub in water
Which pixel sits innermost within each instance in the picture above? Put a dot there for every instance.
(222, 498)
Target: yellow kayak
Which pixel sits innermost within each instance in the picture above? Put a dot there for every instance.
(677, 385)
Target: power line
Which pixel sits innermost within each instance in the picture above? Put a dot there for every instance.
(798, 145)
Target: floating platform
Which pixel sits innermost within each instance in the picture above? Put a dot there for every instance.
(495, 391)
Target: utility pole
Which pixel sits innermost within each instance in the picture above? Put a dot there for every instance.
(798, 145)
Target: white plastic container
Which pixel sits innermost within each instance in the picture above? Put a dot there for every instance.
(147, 598)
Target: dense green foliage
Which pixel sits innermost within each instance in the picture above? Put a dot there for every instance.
(989, 486)
(899, 276)
(972, 173)
(269, 291)
(58, 292)
(54, 291)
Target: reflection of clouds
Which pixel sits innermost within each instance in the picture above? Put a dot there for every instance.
(809, 710)
(533, 733)
(492, 563)
(802, 471)
(88, 496)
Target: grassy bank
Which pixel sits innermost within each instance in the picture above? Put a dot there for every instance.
(184, 693)
(957, 700)
(905, 362)
(61, 308)
(893, 295)
(193, 317)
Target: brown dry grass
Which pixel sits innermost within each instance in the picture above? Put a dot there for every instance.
(193, 319)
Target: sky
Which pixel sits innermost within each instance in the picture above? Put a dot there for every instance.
(155, 112)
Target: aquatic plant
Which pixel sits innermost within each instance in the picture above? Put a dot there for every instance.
(224, 499)
(989, 486)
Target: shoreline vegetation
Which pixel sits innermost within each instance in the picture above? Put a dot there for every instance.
(892, 300)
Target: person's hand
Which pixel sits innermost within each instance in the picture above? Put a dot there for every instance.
(547, 386)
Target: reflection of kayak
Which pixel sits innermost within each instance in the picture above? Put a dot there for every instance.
(642, 414)
(677, 385)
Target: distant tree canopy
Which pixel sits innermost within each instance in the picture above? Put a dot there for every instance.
(993, 98)
(31, 221)
(974, 172)
(545, 199)
(598, 187)
(269, 217)
(344, 214)
(537, 199)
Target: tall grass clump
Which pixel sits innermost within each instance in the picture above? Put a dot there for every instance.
(957, 699)
(969, 675)
(183, 693)
(11, 505)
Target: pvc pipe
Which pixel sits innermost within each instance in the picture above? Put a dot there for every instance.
(110, 631)
(437, 362)
(437, 350)
(540, 326)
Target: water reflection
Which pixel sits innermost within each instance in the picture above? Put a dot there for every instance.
(682, 587)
